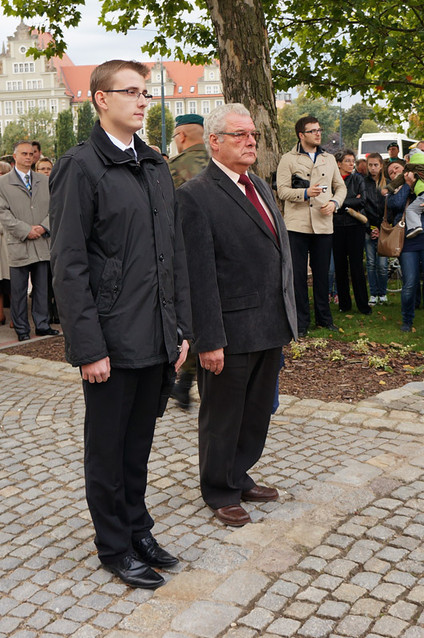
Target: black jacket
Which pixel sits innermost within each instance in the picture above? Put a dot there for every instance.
(355, 186)
(118, 260)
(240, 276)
(374, 205)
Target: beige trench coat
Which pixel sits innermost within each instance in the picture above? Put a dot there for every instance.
(304, 216)
(19, 211)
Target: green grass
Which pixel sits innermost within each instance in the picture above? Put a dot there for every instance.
(382, 326)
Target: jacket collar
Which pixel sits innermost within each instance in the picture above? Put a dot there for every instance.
(15, 179)
(236, 194)
(111, 154)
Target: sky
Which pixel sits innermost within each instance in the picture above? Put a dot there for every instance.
(90, 43)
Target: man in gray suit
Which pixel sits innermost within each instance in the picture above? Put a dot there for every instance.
(24, 213)
(243, 309)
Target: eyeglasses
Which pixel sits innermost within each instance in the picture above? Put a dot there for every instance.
(243, 135)
(132, 93)
(177, 133)
(313, 131)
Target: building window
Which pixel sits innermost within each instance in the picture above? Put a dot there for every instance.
(205, 107)
(30, 105)
(167, 106)
(192, 107)
(19, 107)
(179, 110)
(16, 85)
(42, 105)
(34, 84)
(211, 75)
(208, 89)
(53, 106)
(156, 91)
(158, 78)
(219, 103)
(8, 108)
(24, 67)
(216, 89)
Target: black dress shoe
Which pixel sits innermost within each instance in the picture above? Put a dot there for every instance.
(330, 326)
(135, 573)
(149, 551)
(24, 337)
(47, 332)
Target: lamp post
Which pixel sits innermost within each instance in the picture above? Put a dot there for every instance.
(340, 123)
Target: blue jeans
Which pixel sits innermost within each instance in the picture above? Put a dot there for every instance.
(376, 268)
(410, 264)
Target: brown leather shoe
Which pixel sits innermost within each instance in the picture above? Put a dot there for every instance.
(260, 493)
(233, 515)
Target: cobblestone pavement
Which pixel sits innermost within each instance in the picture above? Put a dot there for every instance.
(340, 555)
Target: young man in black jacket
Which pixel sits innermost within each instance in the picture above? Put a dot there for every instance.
(120, 279)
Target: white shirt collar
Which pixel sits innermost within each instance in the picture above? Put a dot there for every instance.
(22, 175)
(231, 174)
(120, 144)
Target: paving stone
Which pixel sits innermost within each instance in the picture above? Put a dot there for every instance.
(300, 610)
(389, 626)
(348, 592)
(388, 591)
(258, 618)
(205, 619)
(367, 607)
(353, 626)
(416, 595)
(333, 609)
(367, 580)
(284, 627)
(316, 628)
(241, 587)
(403, 610)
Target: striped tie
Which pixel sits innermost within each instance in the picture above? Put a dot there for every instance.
(27, 182)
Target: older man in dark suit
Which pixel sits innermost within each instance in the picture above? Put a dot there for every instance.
(243, 309)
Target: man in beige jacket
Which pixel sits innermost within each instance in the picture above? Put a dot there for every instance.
(309, 182)
(24, 214)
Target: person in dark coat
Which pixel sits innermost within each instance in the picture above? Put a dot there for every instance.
(349, 237)
(243, 309)
(121, 285)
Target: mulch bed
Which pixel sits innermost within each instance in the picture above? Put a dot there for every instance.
(314, 370)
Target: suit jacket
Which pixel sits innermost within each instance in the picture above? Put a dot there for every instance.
(240, 276)
(19, 211)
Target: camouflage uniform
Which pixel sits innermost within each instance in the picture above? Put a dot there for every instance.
(183, 167)
(188, 164)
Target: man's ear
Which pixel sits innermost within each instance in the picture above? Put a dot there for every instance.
(213, 141)
(100, 97)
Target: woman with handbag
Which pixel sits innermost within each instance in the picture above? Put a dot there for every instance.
(412, 253)
(374, 210)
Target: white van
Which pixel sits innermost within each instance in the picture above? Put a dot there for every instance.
(378, 143)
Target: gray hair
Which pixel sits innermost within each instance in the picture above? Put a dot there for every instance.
(4, 168)
(216, 120)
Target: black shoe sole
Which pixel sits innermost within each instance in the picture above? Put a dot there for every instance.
(130, 582)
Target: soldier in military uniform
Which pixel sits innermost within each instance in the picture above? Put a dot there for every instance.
(192, 155)
(191, 159)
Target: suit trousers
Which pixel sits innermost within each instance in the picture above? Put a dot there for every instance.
(234, 415)
(318, 246)
(119, 427)
(348, 250)
(19, 296)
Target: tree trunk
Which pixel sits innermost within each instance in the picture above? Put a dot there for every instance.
(246, 71)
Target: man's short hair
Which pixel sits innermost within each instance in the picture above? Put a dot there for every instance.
(15, 146)
(302, 122)
(102, 77)
(37, 144)
(344, 152)
(215, 121)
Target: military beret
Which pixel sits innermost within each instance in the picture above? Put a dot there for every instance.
(393, 144)
(190, 118)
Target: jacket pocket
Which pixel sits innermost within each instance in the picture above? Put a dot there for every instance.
(244, 302)
(16, 249)
(110, 285)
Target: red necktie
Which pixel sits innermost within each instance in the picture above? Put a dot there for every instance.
(254, 199)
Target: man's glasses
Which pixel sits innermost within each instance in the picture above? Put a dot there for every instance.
(243, 135)
(133, 94)
(313, 131)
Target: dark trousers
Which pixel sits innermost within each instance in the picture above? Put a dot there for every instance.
(348, 250)
(39, 299)
(119, 426)
(319, 249)
(234, 416)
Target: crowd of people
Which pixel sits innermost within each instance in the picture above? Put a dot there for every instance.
(148, 257)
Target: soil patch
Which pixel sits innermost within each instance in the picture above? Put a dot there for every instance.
(314, 369)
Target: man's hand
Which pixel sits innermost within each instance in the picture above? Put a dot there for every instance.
(314, 191)
(328, 209)
(96, 372)
(213, 360)
(183, 355)
(375, 232)
(35, 232)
